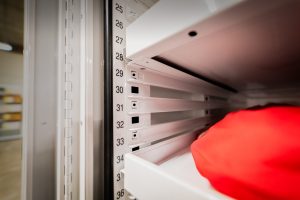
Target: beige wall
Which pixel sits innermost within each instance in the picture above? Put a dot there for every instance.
(11, 69)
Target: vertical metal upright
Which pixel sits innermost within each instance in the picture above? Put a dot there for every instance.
(118, 14)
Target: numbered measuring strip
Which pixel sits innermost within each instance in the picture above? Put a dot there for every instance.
(120, 146)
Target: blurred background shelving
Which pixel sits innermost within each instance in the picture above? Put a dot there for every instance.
(10, 113)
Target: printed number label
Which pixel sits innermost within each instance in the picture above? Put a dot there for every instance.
(119, 72)
(118, 176)
(120, 158)
(119, 24)
(120, 124)
(119, 89)
(119, 8)
(120, 193)
(119, 56)
(119, 40)
(119, 107)
(120, 141)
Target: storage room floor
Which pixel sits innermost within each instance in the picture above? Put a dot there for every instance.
(10, 169)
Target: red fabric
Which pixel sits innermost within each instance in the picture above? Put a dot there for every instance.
(253, 154)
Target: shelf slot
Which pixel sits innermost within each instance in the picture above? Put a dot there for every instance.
(154, 105)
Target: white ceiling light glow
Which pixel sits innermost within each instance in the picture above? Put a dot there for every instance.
(5, 47)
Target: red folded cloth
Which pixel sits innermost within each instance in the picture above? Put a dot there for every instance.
(253, 154)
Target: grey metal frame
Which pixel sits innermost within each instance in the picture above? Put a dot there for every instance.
(40, 99)
(42, 164)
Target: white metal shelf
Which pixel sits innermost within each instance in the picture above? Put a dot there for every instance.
(167, 18)
(246, 45)
(174, 177)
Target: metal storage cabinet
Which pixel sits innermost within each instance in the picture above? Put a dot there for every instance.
(187, 64)
(116, 91)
